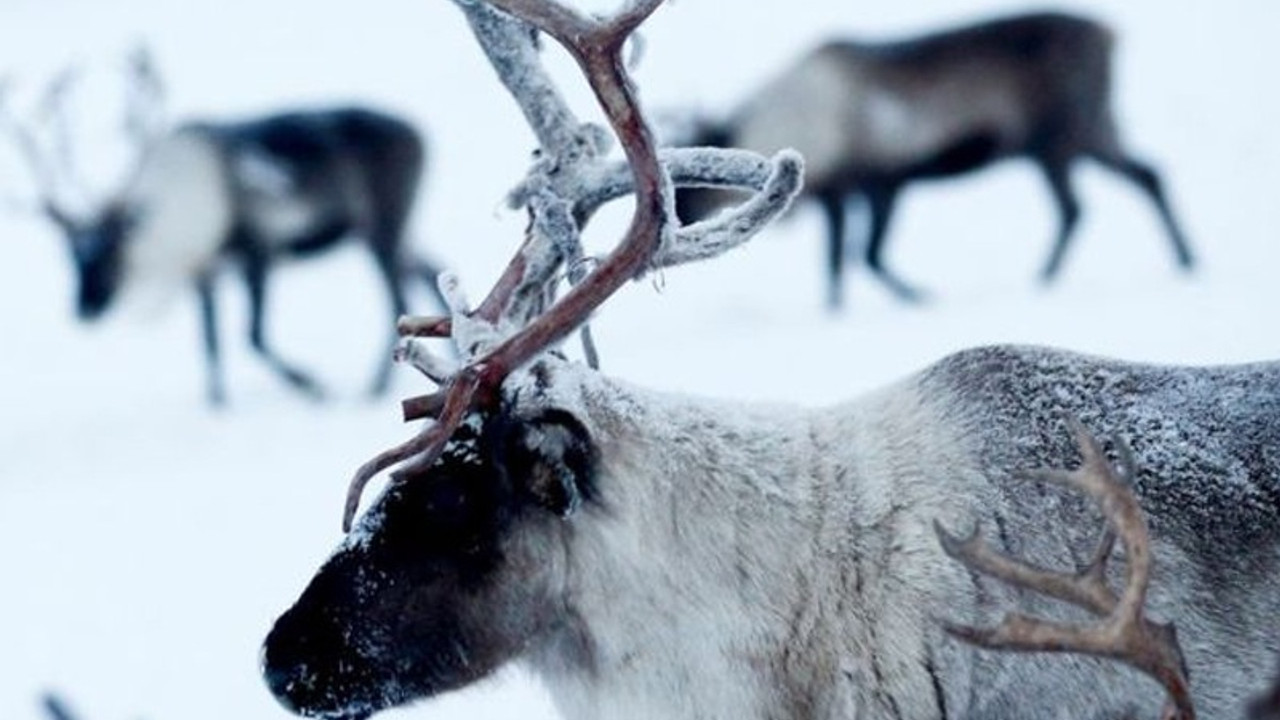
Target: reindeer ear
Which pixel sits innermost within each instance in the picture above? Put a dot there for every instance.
(552, 460)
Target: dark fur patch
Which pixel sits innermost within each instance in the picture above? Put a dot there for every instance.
(962, 156)
(438, 589)
(98, 250)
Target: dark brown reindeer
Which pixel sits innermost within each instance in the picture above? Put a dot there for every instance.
(649, 555)
(250, 194)
(871, 119)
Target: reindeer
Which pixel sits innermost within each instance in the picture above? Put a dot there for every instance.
(873, 118)
(249, 193)
(658, 556)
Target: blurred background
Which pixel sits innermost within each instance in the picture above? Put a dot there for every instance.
(148, 542)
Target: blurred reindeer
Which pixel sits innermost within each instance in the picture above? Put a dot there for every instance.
(872, 118)
(250, 193)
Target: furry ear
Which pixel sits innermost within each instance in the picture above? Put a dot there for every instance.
(552, 459)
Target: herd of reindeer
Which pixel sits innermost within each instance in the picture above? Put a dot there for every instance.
(869, 119)
(657, 556)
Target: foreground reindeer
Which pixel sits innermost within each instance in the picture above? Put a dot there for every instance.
(872, 118)
(654, 556)
(250, 193)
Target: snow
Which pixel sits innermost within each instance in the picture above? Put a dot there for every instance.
(148, 542)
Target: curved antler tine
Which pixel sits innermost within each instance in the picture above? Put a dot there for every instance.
(597, 45)
(462, 390)
(451, 289)
(727, 168)
(146, 94)
(383, 460)
(733, 227)
(52, 110)
(1090, 451)
(436, 368)
(631, 16)
(1097, 565)
(1121, 632)
(460, 399)
(1096, 568)
(55, 93)
(1016, 629)
(423, 407)
(430, 442)
(974, 553)
(43, 173)
(1097, 478)
(512, 325)
(422, 326)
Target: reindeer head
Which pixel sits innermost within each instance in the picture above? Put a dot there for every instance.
(97, 246)
(453, 572)
(96, 237)
(459, 566)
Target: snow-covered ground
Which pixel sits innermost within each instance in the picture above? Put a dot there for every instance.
(146, 543)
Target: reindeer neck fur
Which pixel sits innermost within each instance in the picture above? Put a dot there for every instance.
(735, 564)
(773, 562)
(184, 211)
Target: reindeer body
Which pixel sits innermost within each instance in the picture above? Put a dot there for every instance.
(652, 556)
(872, 118)
(251, 194)
(733, 561)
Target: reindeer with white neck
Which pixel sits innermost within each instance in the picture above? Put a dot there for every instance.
(655, 556)
(876, 118)
(250, 193)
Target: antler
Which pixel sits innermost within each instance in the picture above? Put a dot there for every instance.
(51, 110)
(1121, 632)
(146, 94)
(520, 317)
(144, 113)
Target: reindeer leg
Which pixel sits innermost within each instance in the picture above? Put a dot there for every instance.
(209, 329)
(833, 206)
(1146, 178)
(881, 199)
(255, 273)
(1058, 175)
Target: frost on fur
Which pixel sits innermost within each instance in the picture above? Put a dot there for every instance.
(659, 556)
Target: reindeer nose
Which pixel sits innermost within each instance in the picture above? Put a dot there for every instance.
(282, 681)
(310, 670)
(284, 666)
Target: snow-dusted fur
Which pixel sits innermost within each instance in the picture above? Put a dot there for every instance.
(744, 562)
(872, 117)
